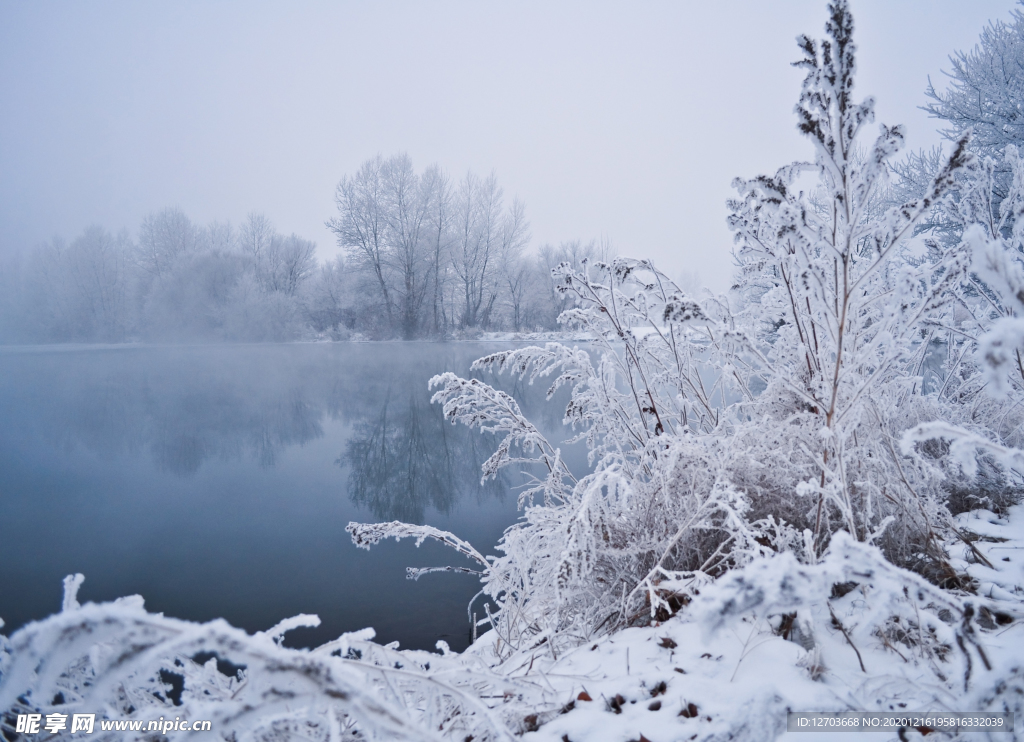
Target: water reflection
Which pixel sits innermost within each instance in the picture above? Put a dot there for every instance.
(183, 408)
(406, 457)
(193, 429)
(218, 480)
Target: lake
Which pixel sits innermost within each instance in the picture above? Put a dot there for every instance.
(217, 481)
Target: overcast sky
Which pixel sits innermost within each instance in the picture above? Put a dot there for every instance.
(618, 120)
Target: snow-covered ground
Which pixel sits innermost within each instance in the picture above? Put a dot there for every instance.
(718, 670)
(850, 633)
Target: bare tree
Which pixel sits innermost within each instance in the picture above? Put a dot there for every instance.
(986, 90)
(984, 96)
(475, 248)
(436, 254)
(328, 298)
(439, 227)
(361, 226)
(409, 201)
(80, 291)
(279, 263)
(516, 272)
(395, 225)
(163, 238)
(255, 235)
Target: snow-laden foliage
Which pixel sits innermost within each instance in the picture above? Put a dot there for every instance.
(887, 605)
(725, 429)
(976, 335)
(852, 632)
(995, 239)
(986, 89)
(122, 663)
(977, 339)
(590, 551)
(982, 98)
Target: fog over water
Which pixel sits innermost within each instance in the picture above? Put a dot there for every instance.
(217, 481)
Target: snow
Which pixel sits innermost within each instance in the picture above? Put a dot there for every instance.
(1004, 578)
(719, 669)
(727, 666)
(723, 656)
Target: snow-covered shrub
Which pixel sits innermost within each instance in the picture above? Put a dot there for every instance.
(836, 322)
(121, 663)
(769, 421)
(977, 336)
(590, 552)
(852, 632)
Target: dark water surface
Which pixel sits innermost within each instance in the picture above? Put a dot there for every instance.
(217, 481)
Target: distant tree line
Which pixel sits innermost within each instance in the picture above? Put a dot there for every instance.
(421, 256)
(430, 257)
(175, 281)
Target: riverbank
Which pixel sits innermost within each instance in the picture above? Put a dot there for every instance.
(731, 664)
(850, 633)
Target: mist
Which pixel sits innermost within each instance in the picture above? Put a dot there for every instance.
(620, 127)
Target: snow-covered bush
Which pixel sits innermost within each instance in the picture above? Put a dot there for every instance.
(836, 322)
(850, 633)
(982, 98)
(121, 663)
(979, 338)
(984, 93)
(590, 551)
(768, 421)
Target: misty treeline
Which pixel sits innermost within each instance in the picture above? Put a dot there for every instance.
(422, 256)
(175, 280)
(428, 256)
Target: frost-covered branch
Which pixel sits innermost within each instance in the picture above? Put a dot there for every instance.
(124, 663)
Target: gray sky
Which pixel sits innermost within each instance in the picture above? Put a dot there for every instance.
(618, 120)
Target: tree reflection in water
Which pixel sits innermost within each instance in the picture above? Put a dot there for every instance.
(184, 407)
(217, 467)
(406, 458)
